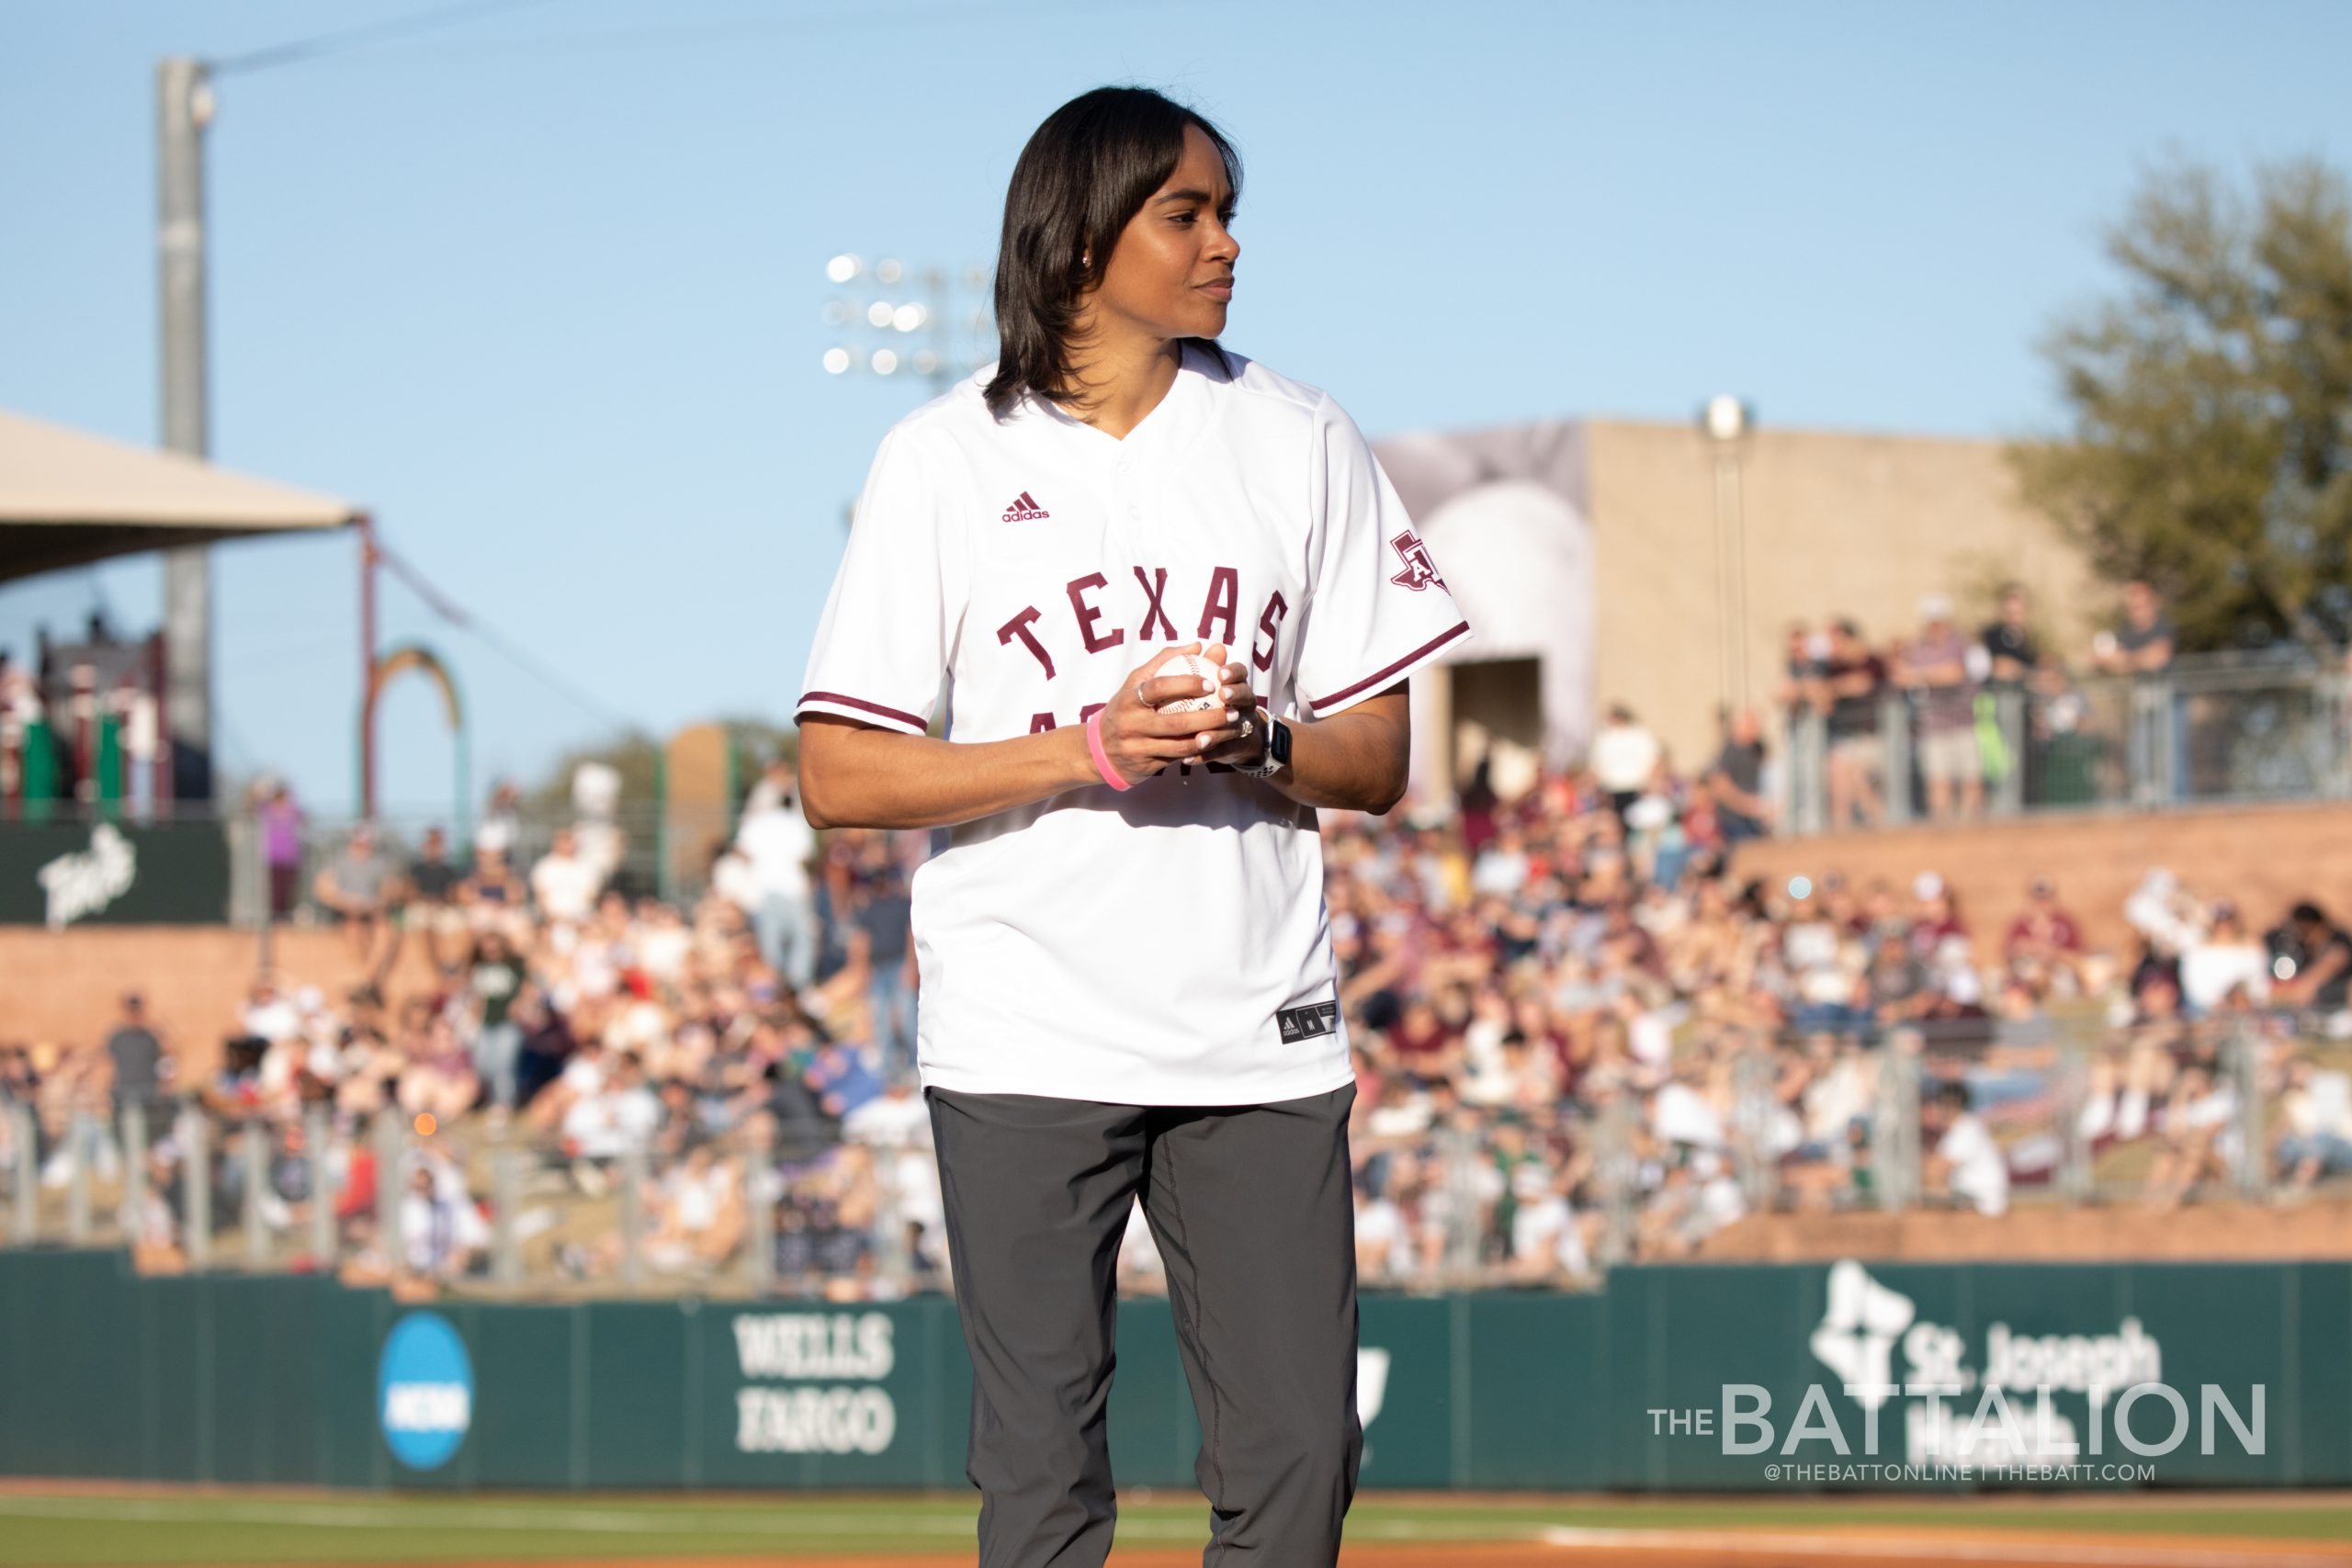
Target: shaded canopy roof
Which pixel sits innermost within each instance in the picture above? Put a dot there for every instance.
(68, 498)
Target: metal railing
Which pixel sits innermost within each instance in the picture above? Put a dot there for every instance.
(481, 1206)
(1969, 1115)
(2206, 731)
(1988, 1116)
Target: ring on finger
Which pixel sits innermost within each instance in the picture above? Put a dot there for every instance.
(1247, 725)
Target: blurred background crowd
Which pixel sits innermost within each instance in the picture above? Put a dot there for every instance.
(1580, 1034)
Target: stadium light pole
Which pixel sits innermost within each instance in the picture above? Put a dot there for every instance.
(1726, 423)
(184, 106)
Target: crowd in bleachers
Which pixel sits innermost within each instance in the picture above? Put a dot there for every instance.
(1575, 1037)
(1947, 682)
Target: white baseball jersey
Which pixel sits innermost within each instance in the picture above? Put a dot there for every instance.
(1167, 944)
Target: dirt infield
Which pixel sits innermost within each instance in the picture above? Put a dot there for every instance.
(1684, 1549)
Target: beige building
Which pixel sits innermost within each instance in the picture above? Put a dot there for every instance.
(1606, 560)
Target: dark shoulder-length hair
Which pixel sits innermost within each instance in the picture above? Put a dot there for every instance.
(1086, 171)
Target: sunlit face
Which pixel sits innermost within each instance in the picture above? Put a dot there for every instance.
(1170, 274)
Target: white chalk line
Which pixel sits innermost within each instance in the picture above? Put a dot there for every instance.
(1934, 1549)
(783, 1522)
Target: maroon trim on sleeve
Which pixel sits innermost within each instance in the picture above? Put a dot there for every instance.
(861, 704)
(1344, 693)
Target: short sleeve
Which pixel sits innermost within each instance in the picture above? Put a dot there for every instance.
(1378, 607)
(883, 641)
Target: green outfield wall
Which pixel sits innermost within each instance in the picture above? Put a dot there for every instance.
(297, 1379)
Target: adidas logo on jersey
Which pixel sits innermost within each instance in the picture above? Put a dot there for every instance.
(1024, 509)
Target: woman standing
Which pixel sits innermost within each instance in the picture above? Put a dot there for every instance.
(1122, 943)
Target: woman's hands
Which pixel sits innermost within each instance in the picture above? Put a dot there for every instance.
(1140, 739)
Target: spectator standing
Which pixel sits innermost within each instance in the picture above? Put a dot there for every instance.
(2142, 647)
(1852, 684)
(1805, 661)
(493, 979)
(563, 884)
(777, 842)
(281, 839)
(1623, 757)
(2010, 660)
(883, 915)
(2009, 641)
(1935, 666)
(2141, 642)
(502, 821)
(138, 1058)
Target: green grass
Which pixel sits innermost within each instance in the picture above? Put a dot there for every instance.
(41, 1530)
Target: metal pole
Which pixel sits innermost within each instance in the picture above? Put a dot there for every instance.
(1616, 1169)
(196, 1154)
(1730, 470)
(1808, 760)
(317, 1129)
(184, 106)
(1895, 736)
(2253, 1162)
(387, 1189)
(758, 1206)
(255, 1149)
(505, 1211)
(1727, 692)
(1753, 1071)
(368, 671)
(26, 1138)
(265, 957)
(2074, 1081)
(632, 1199)
(894, 1260)
(2009, 719)
(1895, 1160)
(77, 1179)
(134, 1170)
(2336, 704)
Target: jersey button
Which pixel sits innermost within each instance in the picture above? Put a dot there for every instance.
(1135, 512)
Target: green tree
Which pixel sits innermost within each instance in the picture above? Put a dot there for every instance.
(2210, 401)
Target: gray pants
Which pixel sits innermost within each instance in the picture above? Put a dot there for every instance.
(1253, 1211)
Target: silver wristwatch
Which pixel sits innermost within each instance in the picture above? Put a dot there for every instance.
(1276, 755)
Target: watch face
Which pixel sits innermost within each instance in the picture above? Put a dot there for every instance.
(1278, 740)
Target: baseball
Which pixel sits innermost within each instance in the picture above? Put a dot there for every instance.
(1187, 664)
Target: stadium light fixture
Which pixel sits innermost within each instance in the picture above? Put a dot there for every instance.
(927, 305)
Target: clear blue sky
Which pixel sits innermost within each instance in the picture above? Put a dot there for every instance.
(542, 290)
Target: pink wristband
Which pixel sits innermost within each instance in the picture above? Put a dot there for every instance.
(1095, 749)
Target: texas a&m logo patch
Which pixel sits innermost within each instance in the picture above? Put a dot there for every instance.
(1420, 570)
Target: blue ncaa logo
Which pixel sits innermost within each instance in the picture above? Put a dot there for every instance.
(424, 1390)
